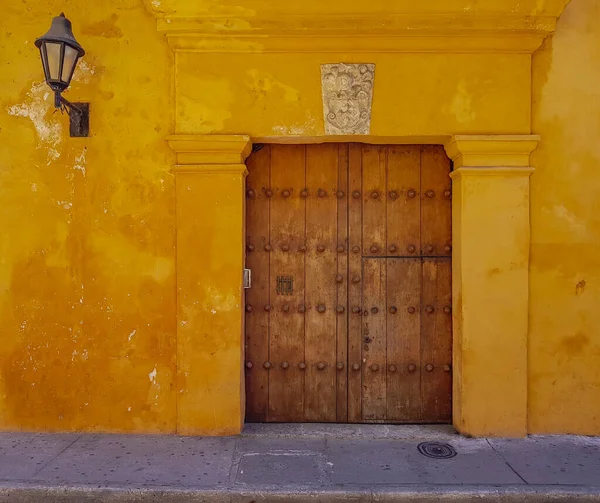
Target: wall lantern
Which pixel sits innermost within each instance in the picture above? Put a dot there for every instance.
(60, 52)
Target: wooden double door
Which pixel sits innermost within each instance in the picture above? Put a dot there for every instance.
(348, 318)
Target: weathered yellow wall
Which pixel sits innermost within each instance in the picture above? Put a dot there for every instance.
(87, 226)
(564, 337)
(221, 10)
(88, 307)
(415, 94)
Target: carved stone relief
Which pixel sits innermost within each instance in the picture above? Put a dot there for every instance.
(347, 97)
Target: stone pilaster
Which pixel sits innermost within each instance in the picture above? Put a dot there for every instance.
(490, 282)
(210, 185)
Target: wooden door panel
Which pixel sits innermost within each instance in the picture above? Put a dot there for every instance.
(286, 379)
(403, 202)
(374, 339)
(257, 260)
(436, 341)
(321, 270)
(354, 283)
(373, 197)
(342, 286)
(436, 228)
(363, 234)
(403, 340)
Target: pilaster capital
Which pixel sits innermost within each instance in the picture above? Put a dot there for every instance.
(212, 153)
(491, 151)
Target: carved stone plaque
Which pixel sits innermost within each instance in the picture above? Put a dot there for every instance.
(347, 97)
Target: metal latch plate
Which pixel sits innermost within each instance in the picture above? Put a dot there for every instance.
(247, 278)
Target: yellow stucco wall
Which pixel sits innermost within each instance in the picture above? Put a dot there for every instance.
(415, 94)
(88, 292)
(564, 325)
(87, 227)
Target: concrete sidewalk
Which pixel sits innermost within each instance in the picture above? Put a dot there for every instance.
(297, 463)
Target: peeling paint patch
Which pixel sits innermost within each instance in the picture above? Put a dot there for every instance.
(35, 108)
(84, 72)
(132, 334)
(563, 213)
(152, 376)
(80, 162)
(307, 128)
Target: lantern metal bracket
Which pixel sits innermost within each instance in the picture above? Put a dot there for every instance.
(79, 115)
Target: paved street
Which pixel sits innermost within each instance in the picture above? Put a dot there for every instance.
(297, 463)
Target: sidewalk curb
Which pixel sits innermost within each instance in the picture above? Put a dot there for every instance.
(421, 494)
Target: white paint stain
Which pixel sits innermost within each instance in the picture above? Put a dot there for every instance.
(35, 108)
(34, 187)
(128, 409)
(80, 162)
(152, 376)
(575, 224)
(295, 129)
(156, 3)
(213, 311)
(132, 334)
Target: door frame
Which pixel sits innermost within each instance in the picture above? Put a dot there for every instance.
(430, 392)
(490, 262)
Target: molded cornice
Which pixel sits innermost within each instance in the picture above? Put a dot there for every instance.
(505, 26)
(499, 151)
(210, 150)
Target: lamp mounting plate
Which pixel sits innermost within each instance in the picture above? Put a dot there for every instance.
(79, 120)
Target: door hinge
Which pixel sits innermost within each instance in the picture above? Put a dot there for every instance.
(247, 278)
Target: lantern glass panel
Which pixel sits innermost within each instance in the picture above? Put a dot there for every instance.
(69, 62)
(53, 55)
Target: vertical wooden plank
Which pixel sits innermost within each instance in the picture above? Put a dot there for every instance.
(342, 285)
(403, 340)
(374, 339)
(436, 329)
(373, 279)
(374, 206)
(354, 283)
(321, 269)
(286, 379)
(436, 341)
(257, 260)
(436, 226)
(403, 201)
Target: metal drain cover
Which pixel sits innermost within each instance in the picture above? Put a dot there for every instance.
(436, 450)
